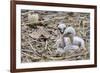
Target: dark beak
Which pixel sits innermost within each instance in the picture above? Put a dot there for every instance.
(61, 32)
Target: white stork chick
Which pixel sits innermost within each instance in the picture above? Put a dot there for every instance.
(61, 27)
(75, 40)
(69, 30)
(59, 43)
(33, 18)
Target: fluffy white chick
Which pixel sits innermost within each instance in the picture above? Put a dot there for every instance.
(75, 40)
(61, 27)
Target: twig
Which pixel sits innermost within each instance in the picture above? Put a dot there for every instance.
(34, 50)
(30, 55)
(31, 46)
(49, 50)
(46, 44)
(56, 58)
(26, 50)
(60, 58)
(30, 43)
(80, 54)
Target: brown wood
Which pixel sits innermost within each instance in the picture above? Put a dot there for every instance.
(95, 36)
(13, 35)
(54, 4)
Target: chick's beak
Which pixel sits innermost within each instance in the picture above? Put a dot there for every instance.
(62, 32)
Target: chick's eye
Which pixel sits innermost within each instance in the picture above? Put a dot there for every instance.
(64, 28)
(59, 28)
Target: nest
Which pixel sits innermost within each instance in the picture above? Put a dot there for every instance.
(38, 38)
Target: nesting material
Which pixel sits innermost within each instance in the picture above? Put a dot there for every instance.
(40, 36)
(33, 18)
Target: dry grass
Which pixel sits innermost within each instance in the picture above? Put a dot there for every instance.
(38, 39)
